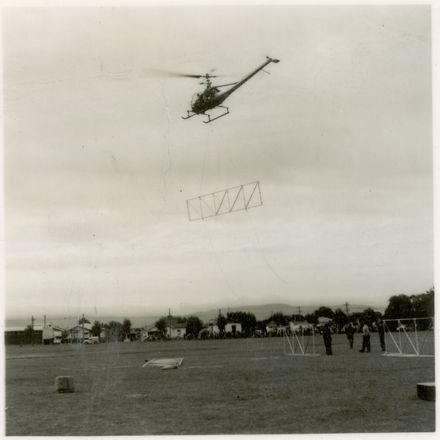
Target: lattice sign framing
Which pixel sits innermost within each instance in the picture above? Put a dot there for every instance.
(409, 337)
(237, 198)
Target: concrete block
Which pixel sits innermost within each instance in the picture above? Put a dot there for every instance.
(426, 391)
(64, 384)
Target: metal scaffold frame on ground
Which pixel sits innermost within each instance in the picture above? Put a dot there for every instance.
(405, 336)
(298, 343)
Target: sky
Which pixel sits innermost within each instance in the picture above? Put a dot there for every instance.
(99, 165)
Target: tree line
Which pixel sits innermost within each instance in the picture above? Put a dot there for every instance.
(399, 307)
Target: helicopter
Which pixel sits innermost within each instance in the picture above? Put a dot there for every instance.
(211, 97)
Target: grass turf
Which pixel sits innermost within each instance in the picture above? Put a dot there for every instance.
(223, 387)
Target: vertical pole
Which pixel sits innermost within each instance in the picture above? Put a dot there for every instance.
(399, 324)
(313, 338)
(417, 339)
(44, 328)
(259, 192)
(82, 332)
(32, 330)
(285, 343)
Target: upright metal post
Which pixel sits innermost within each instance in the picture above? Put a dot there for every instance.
(415, 334)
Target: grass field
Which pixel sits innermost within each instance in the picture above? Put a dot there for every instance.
(223, 387)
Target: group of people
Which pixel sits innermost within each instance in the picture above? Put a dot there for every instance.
(350, 329)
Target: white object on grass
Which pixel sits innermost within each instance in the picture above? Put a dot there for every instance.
(164, 364)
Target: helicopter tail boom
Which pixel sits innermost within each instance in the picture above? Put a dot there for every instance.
(269, 60)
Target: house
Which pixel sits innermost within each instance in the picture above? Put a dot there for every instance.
(150, 333)
(233, 328)
(271, 328)
(52, 334)
(176, 330)
(324, 320)
(135, 334)
(80, 332)
(212, 330)
(300, 327)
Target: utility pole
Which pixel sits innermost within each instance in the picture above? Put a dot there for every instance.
(32, 330)
(82, 336)
(169, 322)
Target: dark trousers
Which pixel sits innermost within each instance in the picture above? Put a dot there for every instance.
(365, 343)
(382, 341)
(328, 346)
(350, 340)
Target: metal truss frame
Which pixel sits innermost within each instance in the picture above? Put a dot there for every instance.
(225, 201)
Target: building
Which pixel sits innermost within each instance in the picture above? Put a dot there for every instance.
(271, 328)
(211, 330)
(24, 335)
(233, 328)
(150, 333)
(176, 330)
(80, 332)
(300, 327)
(52, 334)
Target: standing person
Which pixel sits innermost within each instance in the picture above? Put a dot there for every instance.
(327, 335)
(349, 331)
(381, 330)
(365, 338)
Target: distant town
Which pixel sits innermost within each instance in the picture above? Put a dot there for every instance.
(230, 324)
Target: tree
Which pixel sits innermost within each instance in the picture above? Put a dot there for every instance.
(311, 318)
(193, 326)
(28, 335)
(370, 316)
(162, 325)
(400, 306)
(221, 323)
(83, 321)
(96, 329)
(423, 304)
(414, 306)
(340, 319)
(297, 318)
(113, 331)
(279, 318)
(125, 329)
(64, 336)
(326, 312)
(247, 320)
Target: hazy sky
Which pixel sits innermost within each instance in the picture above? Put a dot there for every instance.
(99, 164)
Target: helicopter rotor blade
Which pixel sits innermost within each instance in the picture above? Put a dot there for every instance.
(156, 72)
(174, 74)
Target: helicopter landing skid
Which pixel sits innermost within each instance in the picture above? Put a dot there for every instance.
(189, 115)
(217, 117)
